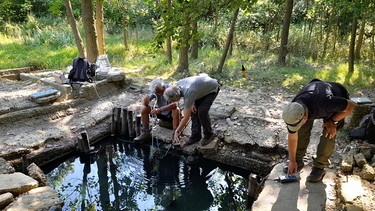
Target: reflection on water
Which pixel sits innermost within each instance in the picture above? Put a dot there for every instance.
(126, 177)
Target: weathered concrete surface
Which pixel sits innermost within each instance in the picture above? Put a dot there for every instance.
(299, 195)
(42, 199)
(250, 132)
(16, 183)
(55, 127)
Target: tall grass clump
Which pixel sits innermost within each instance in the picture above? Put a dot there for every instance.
(35, 33)
(37, 44)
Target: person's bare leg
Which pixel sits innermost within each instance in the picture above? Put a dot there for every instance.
(145, 115)
(145, 122)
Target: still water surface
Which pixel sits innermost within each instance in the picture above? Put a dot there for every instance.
(123, 176)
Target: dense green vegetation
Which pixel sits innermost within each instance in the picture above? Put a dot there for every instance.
(43, 40)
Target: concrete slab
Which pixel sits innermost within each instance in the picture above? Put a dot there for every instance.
(16, 183)
(299, 195)
(41, 198)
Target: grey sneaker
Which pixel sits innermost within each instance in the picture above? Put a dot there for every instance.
(316, 175)
(300, 165)
(145, 136)
(204, 141)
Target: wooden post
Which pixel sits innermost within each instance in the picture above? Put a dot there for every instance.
(25, 163)
(124, 122)
(85, 142)
(113, 123)
(131, 124)
(118, 119)
(138, 124)
(254, 190)
(79, 144)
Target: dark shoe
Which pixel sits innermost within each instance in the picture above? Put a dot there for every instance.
(204, 141)
(191, 140)
(300, 165)
(316, 175)
(145, 136)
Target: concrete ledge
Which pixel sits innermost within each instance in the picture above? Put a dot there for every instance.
(299, 195)
(14, 74)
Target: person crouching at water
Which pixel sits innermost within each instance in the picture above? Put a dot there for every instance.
(198, 92)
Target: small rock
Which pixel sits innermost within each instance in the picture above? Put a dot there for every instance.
(347, 163)
(36, 173)
(5, 199)
(368, 173)
(360, 160)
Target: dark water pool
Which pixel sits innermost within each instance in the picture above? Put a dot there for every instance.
(123, 176)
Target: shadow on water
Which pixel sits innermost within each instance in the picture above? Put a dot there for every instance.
(123, 176)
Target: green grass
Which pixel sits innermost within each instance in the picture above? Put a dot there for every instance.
(141, 61)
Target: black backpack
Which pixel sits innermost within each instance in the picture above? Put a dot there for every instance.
(81, 71)
(366, 128)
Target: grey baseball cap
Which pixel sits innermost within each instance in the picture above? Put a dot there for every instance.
(293, 114)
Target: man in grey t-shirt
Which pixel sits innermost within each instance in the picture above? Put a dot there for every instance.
(199, 92)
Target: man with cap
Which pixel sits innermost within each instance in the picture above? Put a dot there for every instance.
(317, 100)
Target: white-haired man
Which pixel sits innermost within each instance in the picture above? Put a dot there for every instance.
(168, 113)
(199, 92)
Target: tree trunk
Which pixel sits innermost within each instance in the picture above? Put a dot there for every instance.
(73, 25)
(372, 47)
(89, 29)
(229, 40)
(328, 31)
(194, 46)
(305, 24)
(183, 62)
(230, 50)
(100, 26)
(125, 31)
(216, 17)
(285, 33)
(352, 46)
(336, 35)
(168, 41)
(358, 46)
